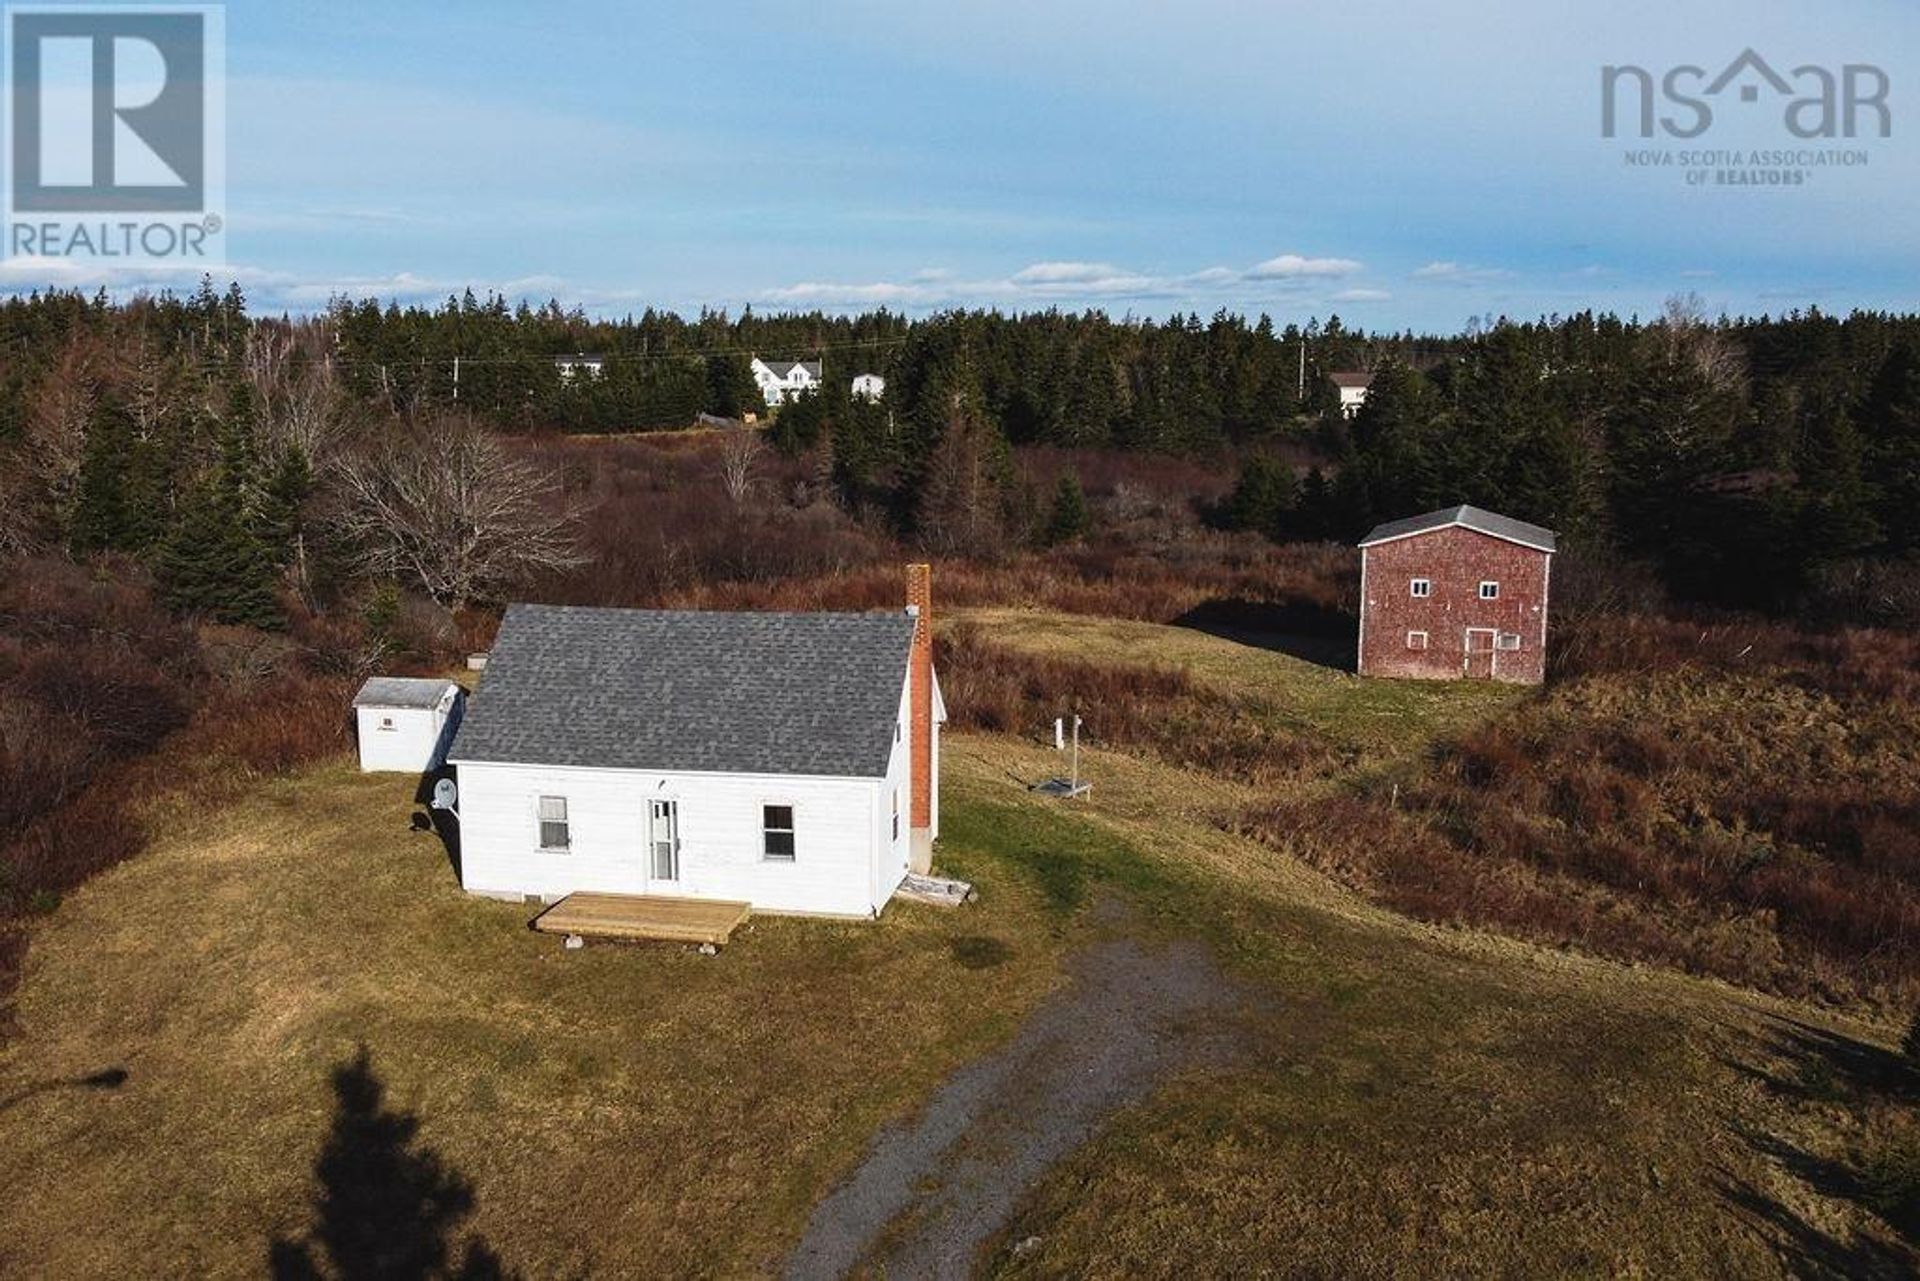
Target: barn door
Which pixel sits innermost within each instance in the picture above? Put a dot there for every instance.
(1478, 663)
(663, 823)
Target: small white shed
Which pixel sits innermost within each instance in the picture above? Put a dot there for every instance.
(405, 723)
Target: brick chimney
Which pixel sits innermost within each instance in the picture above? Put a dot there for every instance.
(920, 719)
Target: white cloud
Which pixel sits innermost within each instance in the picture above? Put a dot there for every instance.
(1296, 266)
(1091, 281)
(1453, 273)
(1082, 279)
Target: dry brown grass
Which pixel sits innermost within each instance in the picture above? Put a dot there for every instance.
(619, 1110)
(1431, 1098)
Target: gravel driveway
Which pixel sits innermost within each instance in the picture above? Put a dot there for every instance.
(934, 1189)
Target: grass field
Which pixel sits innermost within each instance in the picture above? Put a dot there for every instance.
(1422, 1101)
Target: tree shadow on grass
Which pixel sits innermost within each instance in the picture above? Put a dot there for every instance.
(386, 1206)
(1809, 1250)
(1313, 633)
(1812, 1065)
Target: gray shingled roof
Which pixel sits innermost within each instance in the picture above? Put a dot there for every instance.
(783, 369)
(683, 691)
(401, 691)
(1475, 518)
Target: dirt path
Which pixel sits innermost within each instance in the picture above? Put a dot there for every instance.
(932, 1191)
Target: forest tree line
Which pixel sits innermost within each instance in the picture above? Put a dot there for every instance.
(1752, 461)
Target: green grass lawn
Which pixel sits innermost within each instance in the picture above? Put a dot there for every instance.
(1421, 1101)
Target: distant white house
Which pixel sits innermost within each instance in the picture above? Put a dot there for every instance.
(789, 761)
(405, 723)
(779, 379)
(869, 386)
(1352, 386)
(588, 364)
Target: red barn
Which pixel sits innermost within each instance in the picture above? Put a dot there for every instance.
(1455, 593)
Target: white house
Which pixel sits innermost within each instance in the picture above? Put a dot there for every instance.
(779, 379)
(869, 386)
(789, 761)
(587, 364)
(1352, 387)
(405, 723)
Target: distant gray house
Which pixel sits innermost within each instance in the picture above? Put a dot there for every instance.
(581, 364)
(767, 758)
(1352, 384)
(779, 379)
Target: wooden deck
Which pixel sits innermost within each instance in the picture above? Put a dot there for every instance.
(634, 916)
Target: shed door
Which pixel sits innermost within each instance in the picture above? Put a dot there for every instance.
(1478, 663)
(663, 823)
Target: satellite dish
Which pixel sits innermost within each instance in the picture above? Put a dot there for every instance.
(445, 794)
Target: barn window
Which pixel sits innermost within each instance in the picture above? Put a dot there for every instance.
(554, 832)
(1423, 587)
(1507, 640)
(1416, 640)
(1489, 590)
(776, 826)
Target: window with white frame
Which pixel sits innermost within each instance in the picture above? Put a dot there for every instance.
(896, 813)
(1489, 590)
(1416, 640)
(1422, 587)
(555, 833)
(386, 722)
(776, 830)
(1507, 640)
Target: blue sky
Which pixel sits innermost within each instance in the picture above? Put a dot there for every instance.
(1400, 165)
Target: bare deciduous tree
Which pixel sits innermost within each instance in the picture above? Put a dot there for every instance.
(58, 415)
(298, 397)
(740, 453)
(1692, 339)
(444, 506)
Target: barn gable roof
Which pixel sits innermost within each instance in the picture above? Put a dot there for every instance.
(1493, 524)
(674, 691)
(402, 691)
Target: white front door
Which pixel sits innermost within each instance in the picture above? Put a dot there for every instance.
(663, 835)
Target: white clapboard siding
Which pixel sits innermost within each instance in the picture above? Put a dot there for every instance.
(841, 866)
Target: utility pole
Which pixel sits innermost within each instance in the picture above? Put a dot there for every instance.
(1302, 394)
(456, 379)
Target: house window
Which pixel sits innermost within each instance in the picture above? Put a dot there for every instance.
(554, 833)
(1416, 640)
(1423, 587)
(1489, 590)
(776, 826)
(386, 722)
(1507, 640)
(896, 813)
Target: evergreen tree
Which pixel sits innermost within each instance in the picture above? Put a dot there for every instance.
(1313, 516)
(1069, 519)
(1263, 498)
(1892, 419)
(214, 561)
(101, 520)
